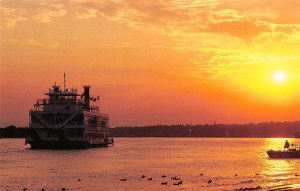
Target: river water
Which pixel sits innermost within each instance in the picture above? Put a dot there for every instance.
(230, 164)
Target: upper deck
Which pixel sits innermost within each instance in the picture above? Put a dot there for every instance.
(66, 101)
(66, 108)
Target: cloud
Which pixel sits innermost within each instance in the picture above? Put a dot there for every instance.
(43, 12)
(215, 34)
(10, 17)
(245, 20)
(86, 13)
(273, 11)
(242, 29)
(109, 8)
(32, 42)
(195, 16)
(218, 37)
(228, 15)
(47, 13)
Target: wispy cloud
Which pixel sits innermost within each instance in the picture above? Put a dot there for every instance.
(216, 34)
(86, 13)
(194, 16)
(46, 14)
(31, 42)
(10, 17)
(40, 12)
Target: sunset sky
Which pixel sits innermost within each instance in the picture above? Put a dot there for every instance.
(155, 62)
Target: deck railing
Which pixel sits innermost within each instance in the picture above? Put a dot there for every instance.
(59, 101)
(78, 103)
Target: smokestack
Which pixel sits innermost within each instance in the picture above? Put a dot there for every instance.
(86, 95)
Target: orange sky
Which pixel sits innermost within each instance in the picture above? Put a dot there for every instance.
(160, 62)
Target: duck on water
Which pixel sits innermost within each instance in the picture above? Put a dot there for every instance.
(289, 151)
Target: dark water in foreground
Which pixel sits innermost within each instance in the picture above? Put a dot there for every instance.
(101, 168)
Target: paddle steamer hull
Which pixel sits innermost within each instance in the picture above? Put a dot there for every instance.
(58, 139)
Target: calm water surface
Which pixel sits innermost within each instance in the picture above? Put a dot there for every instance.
(101, 168)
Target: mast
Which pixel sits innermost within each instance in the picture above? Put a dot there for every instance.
(64, 81)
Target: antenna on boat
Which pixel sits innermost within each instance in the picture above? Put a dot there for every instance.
(64, 81)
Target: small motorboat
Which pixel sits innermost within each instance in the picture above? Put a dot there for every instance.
(292, 152)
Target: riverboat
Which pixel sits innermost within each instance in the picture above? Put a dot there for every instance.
(67, 120)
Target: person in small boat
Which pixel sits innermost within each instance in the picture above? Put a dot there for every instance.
(286, 145)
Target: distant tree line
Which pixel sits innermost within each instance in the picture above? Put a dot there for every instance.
(270, 129)
(12, 132)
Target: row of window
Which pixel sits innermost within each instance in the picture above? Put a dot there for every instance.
(52, 119)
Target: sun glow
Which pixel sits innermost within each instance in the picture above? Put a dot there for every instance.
(279, 76)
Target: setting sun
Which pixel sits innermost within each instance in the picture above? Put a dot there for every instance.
(279, 76)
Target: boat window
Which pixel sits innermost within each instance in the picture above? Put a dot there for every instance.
(92, 121)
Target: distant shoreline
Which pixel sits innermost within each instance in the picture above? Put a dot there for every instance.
(251, 130)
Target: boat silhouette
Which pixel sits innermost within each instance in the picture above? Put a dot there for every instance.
(292, 152)
(67, 120)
